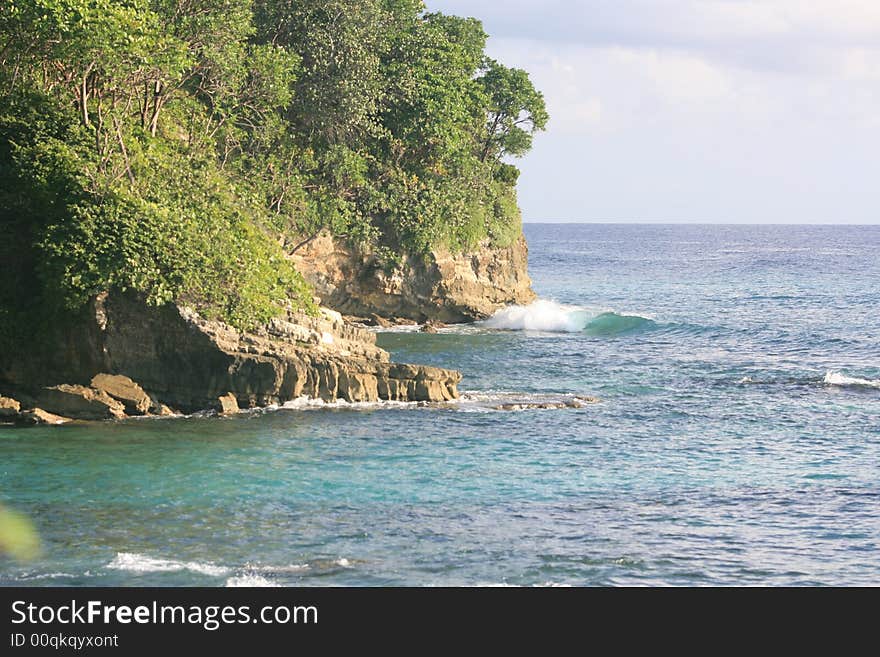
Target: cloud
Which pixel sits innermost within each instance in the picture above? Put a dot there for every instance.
(602, 89)
(788, 35)
(677, 22)
(736, 110)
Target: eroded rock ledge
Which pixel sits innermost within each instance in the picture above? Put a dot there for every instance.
(126, 358)
(443, 286)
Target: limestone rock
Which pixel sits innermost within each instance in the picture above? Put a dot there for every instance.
(158, 408)
(181, 360)
(39, 416)
(444, 286)
(123, 389)
(377, 320)
(431, 326)
(9, 408)
(79, 402)
(228, 404)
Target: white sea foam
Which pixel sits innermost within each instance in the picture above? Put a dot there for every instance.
(139, 563)
(396, 328)
(304, 403)
(292, 568)
(343, 562)
(837, 379)
(46, 576)
(469, 402)
(541, 315)
(240, 581)
(553, 585)
(508, 585)
(548, 316)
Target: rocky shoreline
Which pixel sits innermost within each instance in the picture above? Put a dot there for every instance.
(121, 357)
(124, 358)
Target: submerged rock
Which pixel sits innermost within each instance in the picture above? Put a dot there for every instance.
(577, 402)
(431, 326)
(39, 416)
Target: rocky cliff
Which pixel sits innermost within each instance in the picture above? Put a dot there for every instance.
(444, 286)
(124, 357)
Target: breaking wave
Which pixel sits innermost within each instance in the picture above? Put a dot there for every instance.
(139, 563)
(552, 317)
(248, 575)
(837, 379)
(249, 581)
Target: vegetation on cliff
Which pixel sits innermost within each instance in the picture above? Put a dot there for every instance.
(178, 147)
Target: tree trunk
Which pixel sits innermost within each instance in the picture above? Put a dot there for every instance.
(306, 241)
(158, 101)
(146, 105)
(124, 151)
(491, 134)
(84, 97)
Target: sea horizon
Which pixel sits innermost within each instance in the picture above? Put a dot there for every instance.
(692, 223)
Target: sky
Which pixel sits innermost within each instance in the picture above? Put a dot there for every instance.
(727, 111)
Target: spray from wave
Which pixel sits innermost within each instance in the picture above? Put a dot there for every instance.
(139, 563)
(550, 317)
(249, 576)
(249, 581)
(837, 379)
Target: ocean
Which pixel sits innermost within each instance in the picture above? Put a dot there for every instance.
(735, 440)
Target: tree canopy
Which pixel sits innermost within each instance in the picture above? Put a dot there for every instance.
(179, 147)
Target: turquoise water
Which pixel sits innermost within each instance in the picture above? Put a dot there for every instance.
(737, 440)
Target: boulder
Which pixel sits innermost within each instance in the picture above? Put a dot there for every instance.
(158, 408)
(9, 408)
(79, 402)
(377, 320)
(228, 404)
(431, 326)
(39, 416)
(123, 389)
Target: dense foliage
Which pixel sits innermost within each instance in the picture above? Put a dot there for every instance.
(178, 147)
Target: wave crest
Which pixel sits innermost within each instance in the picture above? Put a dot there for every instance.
(551, 317)
(249, 581)
(611, 323)
(833, 378)
(139, 563)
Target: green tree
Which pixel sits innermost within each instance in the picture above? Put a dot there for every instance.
(339, 43)
(515, 111)
(178, 147)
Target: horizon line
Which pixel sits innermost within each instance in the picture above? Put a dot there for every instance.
(693, 223)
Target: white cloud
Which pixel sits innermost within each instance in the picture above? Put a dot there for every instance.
(861, 64)
(676, 22)
(737, 110)
(591, 89)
